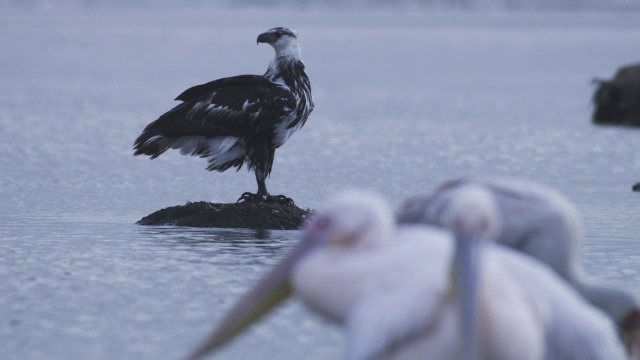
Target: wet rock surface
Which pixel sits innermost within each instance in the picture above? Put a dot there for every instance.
(272, 216)
(617, 101)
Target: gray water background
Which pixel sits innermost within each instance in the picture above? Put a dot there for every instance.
(404, 100)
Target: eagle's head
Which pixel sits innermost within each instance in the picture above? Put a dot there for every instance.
(284, 40)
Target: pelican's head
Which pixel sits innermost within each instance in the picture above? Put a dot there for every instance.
(284, 40)
(351, 219)
(472, 214)
(348, 220)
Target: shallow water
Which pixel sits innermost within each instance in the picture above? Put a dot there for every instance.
(404, 101)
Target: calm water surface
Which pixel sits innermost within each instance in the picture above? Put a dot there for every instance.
(404, 101)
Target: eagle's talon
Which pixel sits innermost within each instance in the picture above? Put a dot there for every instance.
(281, 199)
(248, 197)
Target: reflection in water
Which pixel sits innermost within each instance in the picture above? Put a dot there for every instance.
(197, 235)
(214, 244)
(263, 234)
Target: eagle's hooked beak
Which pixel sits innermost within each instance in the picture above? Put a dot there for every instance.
(267, 38)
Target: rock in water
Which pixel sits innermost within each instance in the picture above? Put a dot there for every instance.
(617, 101)
(272, 216)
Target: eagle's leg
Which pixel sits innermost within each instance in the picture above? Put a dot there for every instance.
(263, 195)
(262, 170)
(259, 160)
(262, 187)
(281, 199)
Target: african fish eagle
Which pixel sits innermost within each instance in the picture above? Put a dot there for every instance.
(241, 119)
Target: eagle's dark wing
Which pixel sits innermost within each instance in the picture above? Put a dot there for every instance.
(237, 106)
(198, 91)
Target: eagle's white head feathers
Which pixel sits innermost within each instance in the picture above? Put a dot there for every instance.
(285, 41)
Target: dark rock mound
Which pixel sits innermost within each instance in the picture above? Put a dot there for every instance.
(636, 187)
(617, 101)
(272, 216)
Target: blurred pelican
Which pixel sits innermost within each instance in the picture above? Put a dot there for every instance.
(540, 222)
(417, 292)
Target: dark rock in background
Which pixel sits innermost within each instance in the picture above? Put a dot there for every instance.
(617, 101)
(260, 216)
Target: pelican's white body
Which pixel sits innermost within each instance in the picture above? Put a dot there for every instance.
(399, 291)
(393, 298)
(422, 292)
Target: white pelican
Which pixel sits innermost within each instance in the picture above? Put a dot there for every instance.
(538, 221)
(417, 292)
